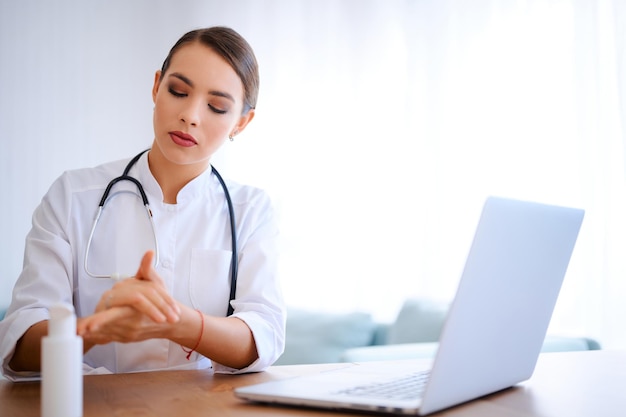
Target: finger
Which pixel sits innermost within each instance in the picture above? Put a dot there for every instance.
(156, 296)
(147, 297)
(89, 337)
(105, 302)
(146, 269)
(93, 323)
(81, 326)
(121, 324)
(145, 264)
(146, 272)
(155, 305)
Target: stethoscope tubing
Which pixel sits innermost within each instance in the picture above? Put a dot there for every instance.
(144, 197)
(234, 262)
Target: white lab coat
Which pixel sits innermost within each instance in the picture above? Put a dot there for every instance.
(195, 250)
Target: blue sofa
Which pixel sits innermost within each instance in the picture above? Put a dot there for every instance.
(321, 337)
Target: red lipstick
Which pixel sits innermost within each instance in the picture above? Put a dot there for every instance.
(183, 139)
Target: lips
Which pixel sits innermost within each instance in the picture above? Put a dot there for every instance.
(183, 139)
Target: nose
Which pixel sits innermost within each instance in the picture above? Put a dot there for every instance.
(190, 113)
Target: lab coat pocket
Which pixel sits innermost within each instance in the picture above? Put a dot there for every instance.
(209, 280)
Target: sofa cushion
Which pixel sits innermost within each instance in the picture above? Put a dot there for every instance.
(429, 349)
(554, 343)
(319, 337)
(425, 350)
(419, 320)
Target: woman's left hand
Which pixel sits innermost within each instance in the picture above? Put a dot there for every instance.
(133, 309)
(145, 292)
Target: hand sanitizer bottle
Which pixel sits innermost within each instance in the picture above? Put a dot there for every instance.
(61, 365)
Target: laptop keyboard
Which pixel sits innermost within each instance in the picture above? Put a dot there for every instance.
(405, 388)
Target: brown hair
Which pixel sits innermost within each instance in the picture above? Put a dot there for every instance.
(231, 46)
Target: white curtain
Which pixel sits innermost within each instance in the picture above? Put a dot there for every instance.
(381, 127)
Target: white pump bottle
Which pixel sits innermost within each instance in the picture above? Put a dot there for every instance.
(61, 365)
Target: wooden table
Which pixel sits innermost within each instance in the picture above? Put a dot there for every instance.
(568, 384)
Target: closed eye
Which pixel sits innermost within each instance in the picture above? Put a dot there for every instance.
(217, 110)
(176, 93)
(212, 107)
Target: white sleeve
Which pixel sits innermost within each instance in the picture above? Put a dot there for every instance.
(47, 271)
(259, 301)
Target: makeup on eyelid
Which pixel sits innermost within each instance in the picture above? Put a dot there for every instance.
(215, 107)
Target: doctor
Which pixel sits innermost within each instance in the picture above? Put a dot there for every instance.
(172, 314)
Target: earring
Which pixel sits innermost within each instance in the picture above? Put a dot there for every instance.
(231, 137)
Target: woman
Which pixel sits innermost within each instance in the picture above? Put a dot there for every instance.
(173, 313)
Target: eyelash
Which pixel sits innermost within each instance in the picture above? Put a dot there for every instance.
(216, 110)
(176, 93)
(180, 95)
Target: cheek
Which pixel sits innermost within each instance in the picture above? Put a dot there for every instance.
(162, 110)
(217, 126)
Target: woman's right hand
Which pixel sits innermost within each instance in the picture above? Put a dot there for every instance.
(120, 324)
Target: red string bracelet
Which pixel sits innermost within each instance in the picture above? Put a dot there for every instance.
(189, 352)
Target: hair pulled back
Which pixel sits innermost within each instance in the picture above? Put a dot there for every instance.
(234, 49)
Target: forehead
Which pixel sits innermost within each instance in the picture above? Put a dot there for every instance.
(206, 69)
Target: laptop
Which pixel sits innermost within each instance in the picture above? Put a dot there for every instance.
(493, 332)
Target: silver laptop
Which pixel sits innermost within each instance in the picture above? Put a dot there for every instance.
(493, 333)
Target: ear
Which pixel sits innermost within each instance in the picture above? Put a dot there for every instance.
(157, 84)
(243, 122)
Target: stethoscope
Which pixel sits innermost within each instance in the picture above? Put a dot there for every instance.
(126, 177)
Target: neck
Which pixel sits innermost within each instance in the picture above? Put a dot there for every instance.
(172, 177)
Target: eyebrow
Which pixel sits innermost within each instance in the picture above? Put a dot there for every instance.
(190, 83)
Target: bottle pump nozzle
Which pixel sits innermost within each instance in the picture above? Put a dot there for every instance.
(62, 320)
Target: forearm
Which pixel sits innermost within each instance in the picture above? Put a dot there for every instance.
(27, 355)
(226, 340)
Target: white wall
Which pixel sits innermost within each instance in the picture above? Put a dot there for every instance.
(75, 82)
(381, 127)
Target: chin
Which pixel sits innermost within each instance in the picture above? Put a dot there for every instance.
(181, 155)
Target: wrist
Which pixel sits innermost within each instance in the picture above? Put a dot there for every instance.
(190, 348)
(185, 332)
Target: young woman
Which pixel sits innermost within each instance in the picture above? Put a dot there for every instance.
(174, 312)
